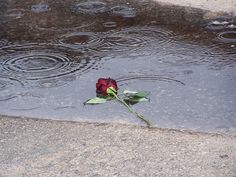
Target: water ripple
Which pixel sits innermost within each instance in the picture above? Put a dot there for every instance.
(50, 83)
(16, 13)
(119, 43)
(7, 82)
(128, 39)
(215, 54)
(221, 50)
(123, 11)
(219, 24)
(65, 28)
(78, 40)
(90, 7)
(110, 24)
(41, 62)
(227, 36)
(221, 56)
(39, 8)
(29, 101)
(3, 42)
(148, 78)
(11, 96)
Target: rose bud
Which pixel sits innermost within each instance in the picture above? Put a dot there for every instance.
(103, 84)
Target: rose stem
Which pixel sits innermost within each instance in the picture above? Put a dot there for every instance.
(129, 108)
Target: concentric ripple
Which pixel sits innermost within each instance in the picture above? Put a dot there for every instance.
(148, 78)
(119, 43)
(123, 11)
(227, 36)
(102, 43)
(49, 83)
(28, 101)
(3, 42)
(79, 40)
(8, 82)
(221, 55)
(65, 26)
(110, 24)
(7, 88)
(133, 38)
(37, 65)
(41, 63)
(5, 83)
(16, 13)
(221, 50)
(90, 7)
(156, 34)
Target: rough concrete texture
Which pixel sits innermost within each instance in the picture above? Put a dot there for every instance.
(212, 5)
(41, 148)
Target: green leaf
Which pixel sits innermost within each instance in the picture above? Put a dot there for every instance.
(134, 100)
(142, 94)
(129, 92)
(96, 100)
(139, 94)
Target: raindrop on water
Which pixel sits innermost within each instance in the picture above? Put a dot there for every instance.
(123, 11)
(39, 8)
(42, 62)
(227, 36)
(110, 24)
(78, 40)
(90, 7)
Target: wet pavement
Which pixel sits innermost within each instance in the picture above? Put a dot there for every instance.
(53, 52)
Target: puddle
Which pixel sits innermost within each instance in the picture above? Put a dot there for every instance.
(228, 36)
(51, 55)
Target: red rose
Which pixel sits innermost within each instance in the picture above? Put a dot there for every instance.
(103, 84)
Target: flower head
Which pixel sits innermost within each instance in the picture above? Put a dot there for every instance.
(103, 84)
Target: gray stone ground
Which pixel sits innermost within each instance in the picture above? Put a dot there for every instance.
(41, 148)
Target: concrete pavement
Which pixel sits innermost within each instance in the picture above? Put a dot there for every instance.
(45, 148)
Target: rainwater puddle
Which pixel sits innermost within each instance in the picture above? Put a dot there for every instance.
(51, 55)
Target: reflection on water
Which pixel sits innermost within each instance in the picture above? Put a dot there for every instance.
(51, 55)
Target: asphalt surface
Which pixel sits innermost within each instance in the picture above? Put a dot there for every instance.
(43, 148)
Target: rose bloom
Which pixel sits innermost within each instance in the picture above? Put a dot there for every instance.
(103, 84)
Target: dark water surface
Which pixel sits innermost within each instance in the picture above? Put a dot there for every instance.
(53, 52)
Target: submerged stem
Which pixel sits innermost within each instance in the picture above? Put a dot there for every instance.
(129, 108)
